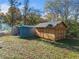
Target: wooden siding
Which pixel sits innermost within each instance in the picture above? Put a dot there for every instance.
(52, 33)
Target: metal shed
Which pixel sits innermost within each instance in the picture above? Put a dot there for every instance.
(26, 31)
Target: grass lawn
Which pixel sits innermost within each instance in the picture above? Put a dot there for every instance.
(12, 47)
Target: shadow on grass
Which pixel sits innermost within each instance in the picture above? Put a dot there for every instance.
(68, 44)
(31, 38)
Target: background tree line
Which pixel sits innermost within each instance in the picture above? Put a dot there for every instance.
(25, 15)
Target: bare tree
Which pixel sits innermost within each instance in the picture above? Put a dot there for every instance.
(59, 7)
(26, 7)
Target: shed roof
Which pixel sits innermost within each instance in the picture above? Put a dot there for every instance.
(52, 22)
(27, 26)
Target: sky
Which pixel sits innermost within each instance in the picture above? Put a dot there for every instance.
(36, 4)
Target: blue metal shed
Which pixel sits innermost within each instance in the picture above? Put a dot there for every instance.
(26, 31)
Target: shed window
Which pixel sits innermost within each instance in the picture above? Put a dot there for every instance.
(49, 26)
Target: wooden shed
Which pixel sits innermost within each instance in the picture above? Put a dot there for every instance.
(53, 30)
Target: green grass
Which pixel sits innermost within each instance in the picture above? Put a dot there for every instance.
(15, 48)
